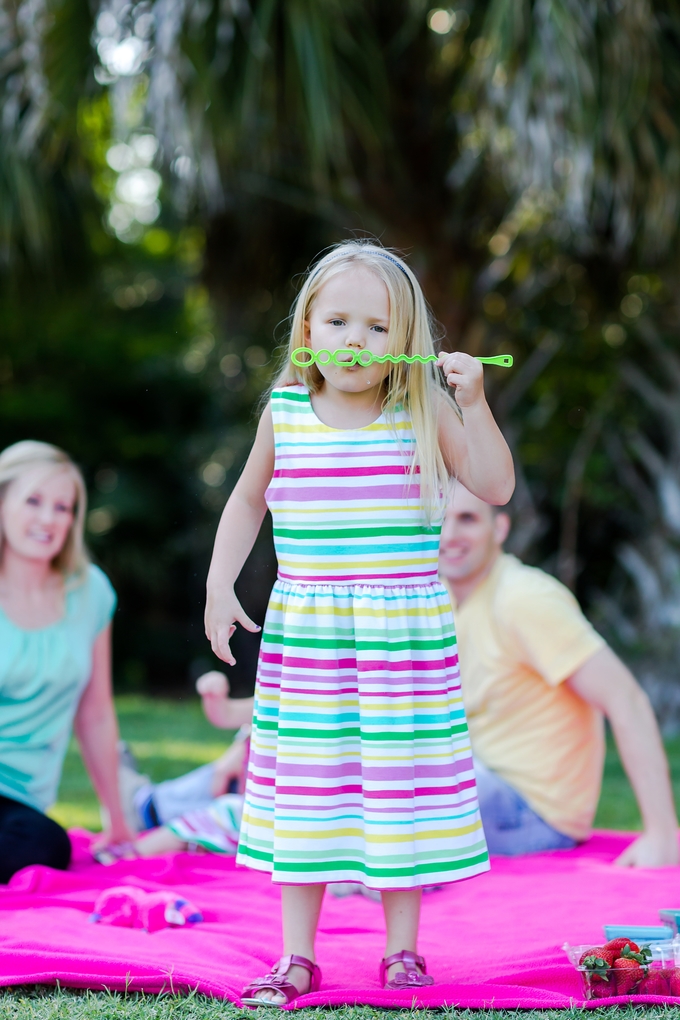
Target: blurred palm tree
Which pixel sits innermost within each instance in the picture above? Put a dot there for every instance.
(45, 56)
(337, 106)
(577, 100)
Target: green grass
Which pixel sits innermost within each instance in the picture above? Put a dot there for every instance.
(46, 1004)
(171, 737)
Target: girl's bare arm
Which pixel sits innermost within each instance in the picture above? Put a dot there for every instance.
(474, 450)
(236, 534)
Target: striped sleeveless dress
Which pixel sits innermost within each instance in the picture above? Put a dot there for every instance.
(360, 766)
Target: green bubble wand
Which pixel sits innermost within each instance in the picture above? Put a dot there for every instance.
(345, 358)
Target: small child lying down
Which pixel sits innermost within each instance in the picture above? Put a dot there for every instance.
(213, 826)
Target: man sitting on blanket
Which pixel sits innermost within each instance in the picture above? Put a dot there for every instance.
(537, 683)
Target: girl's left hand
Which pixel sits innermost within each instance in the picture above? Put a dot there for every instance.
(465, 374)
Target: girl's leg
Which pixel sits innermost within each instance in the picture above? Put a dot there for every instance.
(300, 908)
(402, 918)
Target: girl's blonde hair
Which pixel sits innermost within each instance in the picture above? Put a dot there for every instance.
(418, 387)
(21, 457)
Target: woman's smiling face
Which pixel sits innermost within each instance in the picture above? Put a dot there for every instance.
(37, 512)
(351, 311)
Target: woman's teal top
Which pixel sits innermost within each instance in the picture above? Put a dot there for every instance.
(42, 676)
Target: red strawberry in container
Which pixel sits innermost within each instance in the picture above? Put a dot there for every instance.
(597, 963)
(631, 967)
(674, 982)
(618, 945)
(598, 958)
(628, 973)
(602, 990)
(654, 983)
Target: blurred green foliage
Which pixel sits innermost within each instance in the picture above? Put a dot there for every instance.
(525, 157)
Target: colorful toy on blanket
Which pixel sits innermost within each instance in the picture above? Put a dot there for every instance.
(621, 967)
(303, 357)
(126, 906)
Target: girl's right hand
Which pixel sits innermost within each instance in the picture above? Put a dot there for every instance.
(222, 612)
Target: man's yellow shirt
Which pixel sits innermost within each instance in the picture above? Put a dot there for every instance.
(521, 634)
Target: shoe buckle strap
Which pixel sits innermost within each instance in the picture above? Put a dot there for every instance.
(408, 958)
(411, 962)
(286, 962)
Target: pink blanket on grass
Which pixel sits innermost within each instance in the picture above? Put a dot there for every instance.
(492, 941)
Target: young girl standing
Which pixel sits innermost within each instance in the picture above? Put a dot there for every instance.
(360, 767)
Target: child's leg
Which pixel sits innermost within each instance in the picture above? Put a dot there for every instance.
(158, 841)
(300, 909)
(402, 918)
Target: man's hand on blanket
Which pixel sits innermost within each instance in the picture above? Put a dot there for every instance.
(651, 851)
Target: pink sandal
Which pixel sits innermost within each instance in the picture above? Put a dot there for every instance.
(276, 982)
(412, 977)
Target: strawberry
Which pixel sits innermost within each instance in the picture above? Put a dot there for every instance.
(597, 960)
(642, 955)
(598, 989)
(654, 984)
(618, 944)
(628, 973)
(674, 981)
(607, 956)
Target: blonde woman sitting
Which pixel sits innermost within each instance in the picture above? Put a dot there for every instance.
(55, 656)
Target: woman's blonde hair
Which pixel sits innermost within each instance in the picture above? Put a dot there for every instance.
(21, 457)
(418, 387)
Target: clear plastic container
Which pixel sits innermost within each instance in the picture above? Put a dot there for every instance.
(663, 973)
(661, 976)
(666, 954)
(595, 986)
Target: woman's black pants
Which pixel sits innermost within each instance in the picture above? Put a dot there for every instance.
(29, 837)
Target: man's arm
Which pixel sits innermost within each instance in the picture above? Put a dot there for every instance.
(608, 685)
